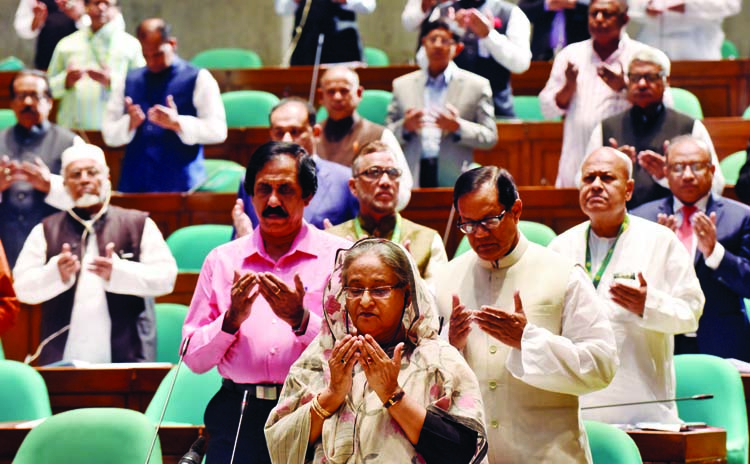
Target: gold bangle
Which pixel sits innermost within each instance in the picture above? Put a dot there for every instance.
(397, 397)
(320, 410)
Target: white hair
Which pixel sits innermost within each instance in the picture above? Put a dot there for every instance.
(652, 55)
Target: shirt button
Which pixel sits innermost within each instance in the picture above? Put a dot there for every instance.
(273, 351)
(273, 321)
(494, 424)
(21, 195)
(493, 349)
(493, 385)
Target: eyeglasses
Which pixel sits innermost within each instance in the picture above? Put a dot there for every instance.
(376, 172)
(697, 168)
(35, 97)
(440, 41)
(651, 78)
(489, 223)
(376, 293)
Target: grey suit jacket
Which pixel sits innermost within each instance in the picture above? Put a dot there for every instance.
(472, 97)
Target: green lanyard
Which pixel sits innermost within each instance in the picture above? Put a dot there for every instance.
(598, 277)
(395, 236)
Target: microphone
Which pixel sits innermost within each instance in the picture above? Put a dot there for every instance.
(316, 67)
(239, 425)
(195, 455)
(703, 396)
(183, 350)
(30, 358)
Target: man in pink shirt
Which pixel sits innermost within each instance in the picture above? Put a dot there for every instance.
(258, 301)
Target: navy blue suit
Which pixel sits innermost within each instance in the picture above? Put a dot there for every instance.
(724, 329)
(333, 200)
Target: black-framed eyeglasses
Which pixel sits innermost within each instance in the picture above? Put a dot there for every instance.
(376, 172)
(35, 97)
(376, 293)
(489, 223)
(651, 78)
(698, 167)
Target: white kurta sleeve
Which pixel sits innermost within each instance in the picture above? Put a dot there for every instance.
(582, 359)
(23, 19)
(210, 124)
(555, 82)
(512, 49)
(712, 9)
(360, 6)
(116, 121)
(35, 279)
(412, 16)
(153, 275)
(438, 257)
(676, 306)
(406, 183)
(701, 133)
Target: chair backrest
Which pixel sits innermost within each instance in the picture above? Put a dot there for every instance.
(222, 176)
(7, 118)
(534, 231)
(702, 373)
(169, 320)
(23, 393)
(190, 245)
(11, 63)
(2, 353)
(686, 102)
(610, 445)
(227, 58)
(189, 399)
(746, 113)
(729, 50)
(248, 108)
(373, 107)
(90, 436)
(730, 166)
(528, 108)
(376, 57)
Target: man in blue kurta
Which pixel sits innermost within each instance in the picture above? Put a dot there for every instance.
(165, 113)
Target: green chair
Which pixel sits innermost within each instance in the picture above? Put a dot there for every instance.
(169, 320)
(746, 114)
(528, 108)
(222, 176)
(90, 436)
(2, 353)
(686, 102)
(248, 108)
(190, 245)
(376, 57)
(534, 231)
(11, 64)
(702, 373)
(227, 58)
(729, 50)
(373, 107)
(23, 393)
(7, 118)
(189, 399)
(610, 445)
(730, 166)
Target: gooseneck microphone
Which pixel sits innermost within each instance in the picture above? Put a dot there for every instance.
(239, 425)
(183, 350)
(703, 396)
(195, 455)
(30, 358)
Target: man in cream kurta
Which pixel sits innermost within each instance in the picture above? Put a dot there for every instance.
(648, 285)
(528, 323)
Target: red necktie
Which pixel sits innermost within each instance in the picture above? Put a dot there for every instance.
(685, 232)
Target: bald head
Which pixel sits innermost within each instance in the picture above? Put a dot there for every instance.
(340, 92)
(605, 188)
(155, 36)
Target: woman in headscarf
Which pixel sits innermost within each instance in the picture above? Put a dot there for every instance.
(377, 384)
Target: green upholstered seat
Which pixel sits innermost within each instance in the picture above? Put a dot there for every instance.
(227, 58)
(190, 245)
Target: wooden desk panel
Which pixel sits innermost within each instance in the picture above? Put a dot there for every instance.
(175, 441)
(698, 446)
(128, 387)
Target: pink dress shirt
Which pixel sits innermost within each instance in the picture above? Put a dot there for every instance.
(265, 346)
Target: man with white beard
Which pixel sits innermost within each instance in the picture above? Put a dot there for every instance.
(95, 269)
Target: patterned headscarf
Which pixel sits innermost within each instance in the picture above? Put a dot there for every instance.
(432, 372)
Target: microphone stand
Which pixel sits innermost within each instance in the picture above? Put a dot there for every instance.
(183, 350)
(316, 67)
(704, 396)
(239, 425)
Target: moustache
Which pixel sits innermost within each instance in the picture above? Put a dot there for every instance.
(28, 109)
(274, 211)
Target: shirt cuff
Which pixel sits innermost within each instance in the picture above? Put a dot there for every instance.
(716, 256)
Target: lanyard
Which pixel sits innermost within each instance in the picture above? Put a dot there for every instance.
(395, 236)
(598, 277)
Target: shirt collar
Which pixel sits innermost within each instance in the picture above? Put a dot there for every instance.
(700, 204)
(303, 243)
(23, 135)
(622, 45)
(511, 258)
(443, 79)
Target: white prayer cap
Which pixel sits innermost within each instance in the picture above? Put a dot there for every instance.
(81, 151)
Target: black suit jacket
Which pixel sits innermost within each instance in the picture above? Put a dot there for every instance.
(576, 26)
(724, 329)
